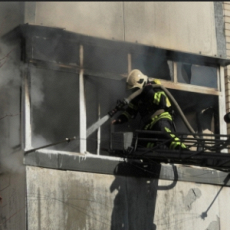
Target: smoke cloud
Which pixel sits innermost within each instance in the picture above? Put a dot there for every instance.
(37, 95)
(12, 163)
(10, 81)
(9, 71)
(39, 141)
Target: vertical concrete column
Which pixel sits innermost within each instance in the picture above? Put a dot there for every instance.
(227, 93)
(222, 101)
(99, 131)
(26, 122)
(226, 13)
(82, 105)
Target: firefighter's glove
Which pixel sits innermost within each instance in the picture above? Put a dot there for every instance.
(116, 122)
(120, 120)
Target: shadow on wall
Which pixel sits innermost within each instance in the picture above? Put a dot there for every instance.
(134, 204)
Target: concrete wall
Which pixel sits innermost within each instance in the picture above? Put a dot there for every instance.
(12, 171)
(226, 7)
(185, 26)
(11, 15)
(79, 200)
(76, 200)
(12, 191)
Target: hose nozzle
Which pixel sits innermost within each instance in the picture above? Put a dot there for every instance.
(120, 105)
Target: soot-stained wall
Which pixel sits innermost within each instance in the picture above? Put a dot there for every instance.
(11, 15)
(78, 200)
(12, 171)
(55, 90)
(48, 202)
(186, 26)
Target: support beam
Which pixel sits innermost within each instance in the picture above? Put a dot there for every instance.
(26, 108)
(99, 131)
(222, 103)
(82, 105)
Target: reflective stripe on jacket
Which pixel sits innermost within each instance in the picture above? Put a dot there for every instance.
(157, 118)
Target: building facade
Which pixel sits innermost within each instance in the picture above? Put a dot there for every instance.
(63, 66)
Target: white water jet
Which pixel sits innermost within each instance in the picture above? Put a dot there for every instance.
(96, 125)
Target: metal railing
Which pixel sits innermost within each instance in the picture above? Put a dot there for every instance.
(204, 150)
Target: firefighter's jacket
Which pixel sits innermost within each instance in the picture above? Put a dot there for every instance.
(146, 104)
(153, 105)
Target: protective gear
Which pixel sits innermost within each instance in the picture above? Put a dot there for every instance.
(136, 79)
(116, 122)
(147, 101)
(164, 124)
(157, 98)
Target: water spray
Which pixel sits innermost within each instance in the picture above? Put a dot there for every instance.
(119, 106)
(96, 125)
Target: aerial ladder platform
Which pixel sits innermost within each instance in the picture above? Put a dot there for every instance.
(204, 150)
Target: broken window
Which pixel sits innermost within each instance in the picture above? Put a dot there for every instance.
(197, 75)
(54, 108)
(64, 105)
(201, 110)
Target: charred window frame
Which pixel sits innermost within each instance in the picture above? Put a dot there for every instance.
(131, 56)
(199, 75)
(85, 106)
(214, 89)
(83, 71)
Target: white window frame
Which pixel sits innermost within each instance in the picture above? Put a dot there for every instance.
(220, 92)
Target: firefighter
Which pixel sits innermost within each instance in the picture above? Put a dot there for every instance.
(154, 108)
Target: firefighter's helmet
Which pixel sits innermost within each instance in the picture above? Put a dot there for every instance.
(136, 79)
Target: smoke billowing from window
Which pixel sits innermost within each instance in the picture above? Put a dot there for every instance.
(12, 163)
(10, 82)
(37, 95)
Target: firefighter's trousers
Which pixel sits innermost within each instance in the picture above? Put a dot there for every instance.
(164, 124)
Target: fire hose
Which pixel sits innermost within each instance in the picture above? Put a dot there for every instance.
(46, 146)
(122, 103)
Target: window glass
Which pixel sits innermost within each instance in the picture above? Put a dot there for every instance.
(54, 108)
(197, 75)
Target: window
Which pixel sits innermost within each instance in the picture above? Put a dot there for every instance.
(197, 75)
(101, 96)
(65, 103)
(54, 108)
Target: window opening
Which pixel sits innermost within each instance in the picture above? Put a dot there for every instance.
(56, 105)
(153, 65)
(197, 75)
(54, 108)
(101, 93)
